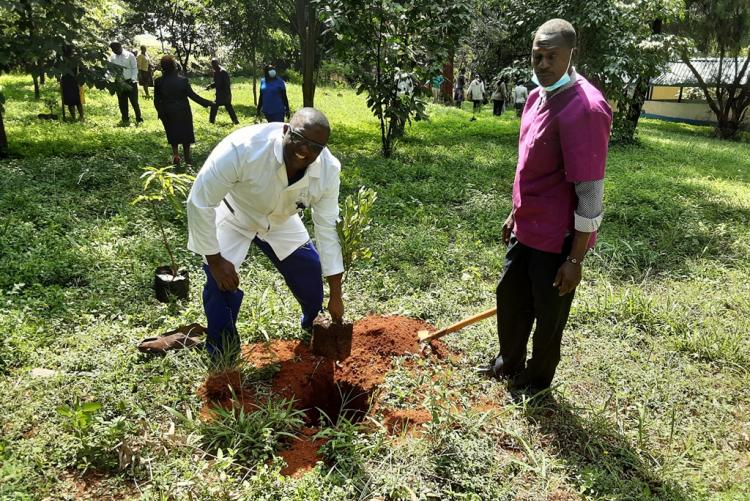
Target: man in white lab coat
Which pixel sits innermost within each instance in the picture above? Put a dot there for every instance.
(251, 190)
(127, 62)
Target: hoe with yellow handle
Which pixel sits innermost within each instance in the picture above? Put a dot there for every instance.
(425, 336)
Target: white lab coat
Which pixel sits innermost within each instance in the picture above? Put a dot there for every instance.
(242, 192)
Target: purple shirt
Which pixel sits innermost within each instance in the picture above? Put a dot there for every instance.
(563, 141)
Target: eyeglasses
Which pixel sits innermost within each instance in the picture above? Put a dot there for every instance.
(297, 137)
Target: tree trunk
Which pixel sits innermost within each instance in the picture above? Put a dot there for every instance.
(447, 86)
(36, 87)
(3, 138)
(308, 28)
(633, 114)
(727, 128)
(255, 77)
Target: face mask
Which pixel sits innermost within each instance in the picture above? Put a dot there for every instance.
(563, 79)
(272, 73)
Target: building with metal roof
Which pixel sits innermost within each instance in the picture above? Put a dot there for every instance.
(675, 96)
(678, 74)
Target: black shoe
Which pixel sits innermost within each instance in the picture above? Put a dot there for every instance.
(139, 120)
(521, 384)
(497, 368)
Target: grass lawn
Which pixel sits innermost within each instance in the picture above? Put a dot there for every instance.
(652, 397)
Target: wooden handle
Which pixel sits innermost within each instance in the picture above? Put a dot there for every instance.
(460, 325)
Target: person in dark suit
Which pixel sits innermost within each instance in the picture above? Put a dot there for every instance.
(171, 93)
(223, 92)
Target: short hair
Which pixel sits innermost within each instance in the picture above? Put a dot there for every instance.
(114, 45)
(167, 64)
(214, 60)
(143, 47)
(560, 27)
(310, 116)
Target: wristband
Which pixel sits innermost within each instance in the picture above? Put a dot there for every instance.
(573, 260)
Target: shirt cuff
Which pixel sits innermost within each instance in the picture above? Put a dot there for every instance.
(586, 224)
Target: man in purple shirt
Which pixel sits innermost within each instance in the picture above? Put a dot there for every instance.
(557, 208)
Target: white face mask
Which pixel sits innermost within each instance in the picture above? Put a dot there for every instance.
(563, 79)
(272, 73)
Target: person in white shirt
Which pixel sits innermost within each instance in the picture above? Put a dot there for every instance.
(251, 190)
(475, 93)
(520, 95)
(126, 60)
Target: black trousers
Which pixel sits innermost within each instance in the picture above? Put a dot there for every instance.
(229, 108)
(497, 108)
(524, 295)
(129, 95)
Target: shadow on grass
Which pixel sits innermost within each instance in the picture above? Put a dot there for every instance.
(603, 461)
(246, 111)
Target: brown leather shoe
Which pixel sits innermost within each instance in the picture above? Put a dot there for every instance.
(185, 336)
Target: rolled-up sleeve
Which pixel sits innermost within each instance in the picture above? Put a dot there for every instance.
(214, 181)
(325, 213)
(589, 212)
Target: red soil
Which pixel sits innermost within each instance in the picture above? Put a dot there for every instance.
(398, 420)
(302, 454)
(317, 382)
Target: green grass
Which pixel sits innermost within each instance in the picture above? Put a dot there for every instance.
(652, 398)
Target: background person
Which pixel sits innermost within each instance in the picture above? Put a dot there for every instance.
(499, 96)
(458, 93)
(436, 81)
(475, 94)
(557, 209)
(145, 71)
(171, 94)
(520, 95)
(273, 102)
(223, 88)
(72, 97)
(249, 191)
(126, 60)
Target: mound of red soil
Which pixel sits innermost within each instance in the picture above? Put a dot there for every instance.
(398, 420)
(320, 383)
(302, 454)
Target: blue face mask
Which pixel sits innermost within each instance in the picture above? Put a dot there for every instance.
(565, 79)
(272, 73)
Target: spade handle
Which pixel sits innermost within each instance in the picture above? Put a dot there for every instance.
(458, 325)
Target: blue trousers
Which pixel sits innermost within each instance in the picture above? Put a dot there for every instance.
(303, 275)
(275, 117)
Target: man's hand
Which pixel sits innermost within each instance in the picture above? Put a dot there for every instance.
(335, 303)
(508, 228)
(568, 277)
(223, 272)
(336, 308)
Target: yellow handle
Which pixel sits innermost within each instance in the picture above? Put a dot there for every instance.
(460, 325)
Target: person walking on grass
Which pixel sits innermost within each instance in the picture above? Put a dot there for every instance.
(251, 190)
(129, 67)
(475, 93)
(171, 94)
(436, 82)
(458, 92)
(557, 209)
(520, 95)
(273, 102)
(223, 88)
(145, 71)
(70, 88)
(499, 96)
